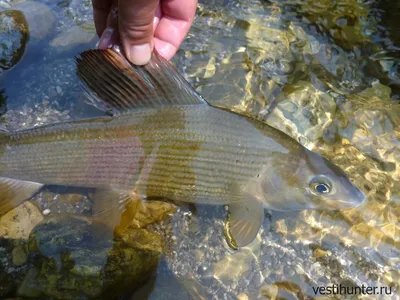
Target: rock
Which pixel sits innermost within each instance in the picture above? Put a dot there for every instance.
(72, 199)
(59, 90)
(46, 212)
(72, 262)
(28, 287)
(243, 296)
(12, 266)
(19, 222)
(19, 255)
(13, 38)
(73, 36)
(141, 239)
(142, 213)
(4, 5)
(269, 291)
(6, 283)
(302, 112)
(41, 19)
(51, 202)
(346, 21)
(27, 117)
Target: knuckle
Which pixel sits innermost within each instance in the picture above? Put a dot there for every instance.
(136, 31)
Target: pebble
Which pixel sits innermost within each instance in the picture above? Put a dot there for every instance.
(258, 279)
(270, 291)
(242, 296)
(59, 90)
(19, 256)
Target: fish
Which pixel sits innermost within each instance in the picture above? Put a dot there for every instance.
(162, 140)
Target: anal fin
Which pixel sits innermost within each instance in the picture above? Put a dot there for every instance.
(13, 192)
(244, 222)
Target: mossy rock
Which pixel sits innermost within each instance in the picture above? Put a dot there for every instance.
(75, 259)
(14, 34)
(11, 275)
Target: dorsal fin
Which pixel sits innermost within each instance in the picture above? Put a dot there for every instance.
(124, 86)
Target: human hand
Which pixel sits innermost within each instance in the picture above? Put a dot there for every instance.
(142, 25)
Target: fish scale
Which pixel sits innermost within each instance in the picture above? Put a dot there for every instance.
(101, 153)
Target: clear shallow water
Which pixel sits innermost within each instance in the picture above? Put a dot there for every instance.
(326, 74)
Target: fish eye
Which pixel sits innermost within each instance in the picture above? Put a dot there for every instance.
(322, 188)
(321, 185)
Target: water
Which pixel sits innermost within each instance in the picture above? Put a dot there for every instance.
(326, 73)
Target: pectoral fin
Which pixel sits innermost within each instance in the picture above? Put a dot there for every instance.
(13, 192)
(109, 204)
(244, 222)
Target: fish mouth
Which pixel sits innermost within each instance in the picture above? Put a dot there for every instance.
(358, 198)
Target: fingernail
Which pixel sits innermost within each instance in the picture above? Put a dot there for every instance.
(105, 40)
(139, 54)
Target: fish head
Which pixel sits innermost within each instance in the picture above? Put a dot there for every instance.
(309, 181)
(329, 187)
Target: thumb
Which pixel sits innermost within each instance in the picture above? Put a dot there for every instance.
(136, 28)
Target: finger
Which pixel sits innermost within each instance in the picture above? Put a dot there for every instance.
(110, 35)
(101, 9)
(136, 28)
(177, 17)
(109, 38)
(157, 18)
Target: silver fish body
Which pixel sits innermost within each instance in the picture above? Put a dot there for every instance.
(183, 152)
(196, 154)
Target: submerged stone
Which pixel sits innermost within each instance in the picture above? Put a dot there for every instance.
(346, 21)
(139, 214)
(14, 33)
(11, 272)
(40, 18)
(73, 258)
(74, 36)
(19, 222)
(6, 283)
(19, 255)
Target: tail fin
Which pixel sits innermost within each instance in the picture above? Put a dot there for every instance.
(13, 192)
